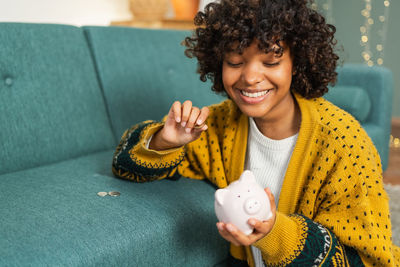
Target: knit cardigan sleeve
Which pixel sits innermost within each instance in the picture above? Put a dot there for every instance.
(342, 218)
(133, 161)
(204, 158)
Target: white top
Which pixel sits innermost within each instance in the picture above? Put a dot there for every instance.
(268, 160)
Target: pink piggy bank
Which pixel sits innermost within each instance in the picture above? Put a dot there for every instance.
(242, 200)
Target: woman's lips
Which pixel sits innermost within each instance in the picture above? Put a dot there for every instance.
(253, 97)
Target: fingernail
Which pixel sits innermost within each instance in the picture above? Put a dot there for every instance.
(252, 222)
(188, 130)
(219, 226)
(178, 120)
(199, 122)
(183, 124)
(230, 228)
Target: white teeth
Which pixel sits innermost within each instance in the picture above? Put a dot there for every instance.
(254, 94)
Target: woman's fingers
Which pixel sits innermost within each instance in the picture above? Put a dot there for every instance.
(181, 126)
(226, 234)
(176, 111)
(195, 112)
(261, 228)
(232, 234)
(271, 200)
(188, 116)
(186, 110)
(204, 112)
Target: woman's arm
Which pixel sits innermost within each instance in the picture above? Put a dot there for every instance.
(140, 160)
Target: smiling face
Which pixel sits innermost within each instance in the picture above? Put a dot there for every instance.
(259, 83)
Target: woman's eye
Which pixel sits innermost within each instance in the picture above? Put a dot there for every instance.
(234, 65)
(271, 64)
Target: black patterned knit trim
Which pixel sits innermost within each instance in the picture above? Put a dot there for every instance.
(297, 252)
(322, 248)
(317, 248)
(352, 256)
(128, 166)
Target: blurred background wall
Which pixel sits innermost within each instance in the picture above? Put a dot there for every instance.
(357, 21)
(383, 35)
(75, 12)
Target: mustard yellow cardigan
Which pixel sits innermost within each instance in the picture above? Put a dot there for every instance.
(332, 208)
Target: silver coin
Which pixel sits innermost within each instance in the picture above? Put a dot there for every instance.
(114, 193)
(102, 194)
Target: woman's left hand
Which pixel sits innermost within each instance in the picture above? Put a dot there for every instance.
(261, 228)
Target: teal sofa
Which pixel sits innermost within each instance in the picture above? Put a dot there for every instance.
(66, 96)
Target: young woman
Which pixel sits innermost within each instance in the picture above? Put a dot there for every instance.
(274, 60)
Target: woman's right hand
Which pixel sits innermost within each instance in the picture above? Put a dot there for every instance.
(184, 124)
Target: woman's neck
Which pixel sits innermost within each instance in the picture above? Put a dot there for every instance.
(283, 126)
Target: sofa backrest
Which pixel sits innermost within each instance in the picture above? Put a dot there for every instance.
(51, 105)
(143, 72)
(353, 99)
(371, 86)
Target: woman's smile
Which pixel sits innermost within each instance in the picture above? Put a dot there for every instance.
(253, 96)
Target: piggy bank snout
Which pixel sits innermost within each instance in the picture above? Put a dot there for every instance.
(252, 206)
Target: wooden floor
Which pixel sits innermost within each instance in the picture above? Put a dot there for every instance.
(392, 173)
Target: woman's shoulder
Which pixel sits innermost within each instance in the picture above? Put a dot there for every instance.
(342, 128)
(338, 134)
(332, 123)
(337, 119)
(322, 113)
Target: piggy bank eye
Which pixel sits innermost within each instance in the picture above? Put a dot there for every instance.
(238, 196)
(248, 190)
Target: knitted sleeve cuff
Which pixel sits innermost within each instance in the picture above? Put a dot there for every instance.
(134, 161)
(297, 240)
(285, 241)
(147, 135)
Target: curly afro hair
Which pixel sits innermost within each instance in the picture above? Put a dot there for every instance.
(271, 22)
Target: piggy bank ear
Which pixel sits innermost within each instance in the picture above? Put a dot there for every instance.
(247, 177)
(220, 196)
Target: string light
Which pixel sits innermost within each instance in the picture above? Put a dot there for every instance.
(369, 55)
(394, 142)
(326, 9)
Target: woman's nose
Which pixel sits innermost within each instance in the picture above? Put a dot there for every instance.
(252, 74)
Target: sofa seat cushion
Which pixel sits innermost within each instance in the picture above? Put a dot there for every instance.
(353, 99)
(52, 216)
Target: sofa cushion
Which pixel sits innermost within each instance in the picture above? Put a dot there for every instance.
(52, 216)
(143, 72)
(51, 105)
(353, 99)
